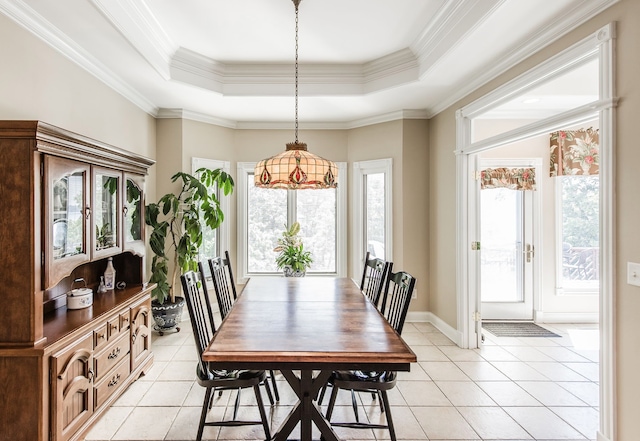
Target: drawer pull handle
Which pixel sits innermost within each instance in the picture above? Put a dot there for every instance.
(101, 336)
(114, 354)
(114, 381)
(91, 374)
(114, 327)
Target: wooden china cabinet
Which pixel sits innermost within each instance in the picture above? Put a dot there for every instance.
(68, 203)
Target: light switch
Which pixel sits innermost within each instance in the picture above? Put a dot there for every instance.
(633, 273)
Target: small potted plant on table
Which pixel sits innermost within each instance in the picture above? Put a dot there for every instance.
(292, 258)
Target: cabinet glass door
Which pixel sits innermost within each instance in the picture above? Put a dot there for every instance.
(66, 215)
(106, 212)
(133, 214)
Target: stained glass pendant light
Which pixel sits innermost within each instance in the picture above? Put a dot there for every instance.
(296, 168)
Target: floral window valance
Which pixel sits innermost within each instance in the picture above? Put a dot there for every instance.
(512, 178)
(575, 152)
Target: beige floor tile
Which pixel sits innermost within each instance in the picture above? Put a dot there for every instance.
(444, 423)
(493, 423)
(245, 413)
(166, 393)
(443, 370)
(185, 426)
(179, 371)
(429, 353)
(481, 371)
(164, 353)
(550, 394)
(495, 353)
(587, 391)
(518, 371)
(195, 397)
(404, 422)
(507, 393)
(555, 371)
(454, 353)
(439, 339)
(464, 393)
(542, 424)
(590, 371)
(426, 327)
(157, 368)
(170, 339)
(527, 353)
(186, 353)
(422, 394)
(147, 423)
(583, 419)
(344, 414)
(108, 425)
(134, 393)
(563, 354)
(416, 339)
(416, 373)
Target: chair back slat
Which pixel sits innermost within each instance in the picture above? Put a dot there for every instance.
(223, 283)
(200, 313)
(397, 296)
(373, 278)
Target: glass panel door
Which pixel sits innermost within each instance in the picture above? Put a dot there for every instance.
(506, 254)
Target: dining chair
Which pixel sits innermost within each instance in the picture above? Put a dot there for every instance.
(395, 304)
(373, 278)
(203, 326)
(225, 288)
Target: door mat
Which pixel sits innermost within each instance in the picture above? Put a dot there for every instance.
(509, 329)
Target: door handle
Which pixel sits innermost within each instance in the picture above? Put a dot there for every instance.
(529, 252)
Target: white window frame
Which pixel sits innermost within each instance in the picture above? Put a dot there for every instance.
(358, 227)
(570, 289)
(223, 239)
(245, 169)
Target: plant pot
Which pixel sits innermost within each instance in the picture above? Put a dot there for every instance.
(167, 315)
(289, 272)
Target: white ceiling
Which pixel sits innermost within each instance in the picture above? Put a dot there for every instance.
(230, 62)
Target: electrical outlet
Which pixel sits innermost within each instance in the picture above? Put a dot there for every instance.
(633, 273)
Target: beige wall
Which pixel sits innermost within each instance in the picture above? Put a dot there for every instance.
(627, 182)
(37, 83)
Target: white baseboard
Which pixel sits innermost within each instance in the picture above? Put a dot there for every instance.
(442, 326)
(566, 317)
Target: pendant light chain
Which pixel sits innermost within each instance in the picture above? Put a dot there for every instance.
(296, 2)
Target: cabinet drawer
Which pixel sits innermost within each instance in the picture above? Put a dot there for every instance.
(125, 321)
(111, 383)
(113, 325)
(100, 336)
(117, 350)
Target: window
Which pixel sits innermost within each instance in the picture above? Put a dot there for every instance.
(372, 220)
(263, 214)
(578, 233)
(214, 242)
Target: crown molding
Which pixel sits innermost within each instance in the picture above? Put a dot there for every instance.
(451, 23)
(279, 125)
(163, 113)
(138, 25)
(33, 22)
(566, 22)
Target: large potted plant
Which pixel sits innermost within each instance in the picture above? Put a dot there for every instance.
(292, 257)
(176, 222)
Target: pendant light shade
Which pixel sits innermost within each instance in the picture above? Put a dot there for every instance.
(296, 168)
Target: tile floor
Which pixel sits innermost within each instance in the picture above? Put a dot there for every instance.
(510, 389)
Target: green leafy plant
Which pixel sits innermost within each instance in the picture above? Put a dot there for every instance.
(177, 219)
(291, 251)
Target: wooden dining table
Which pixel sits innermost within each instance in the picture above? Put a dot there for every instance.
(306, 328)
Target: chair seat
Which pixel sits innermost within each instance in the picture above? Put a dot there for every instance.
(220, 376)
(362, 380)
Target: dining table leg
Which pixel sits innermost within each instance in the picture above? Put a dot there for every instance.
(306, 411)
